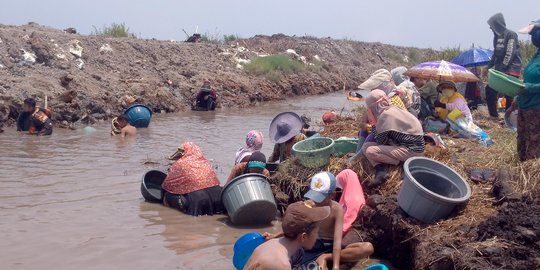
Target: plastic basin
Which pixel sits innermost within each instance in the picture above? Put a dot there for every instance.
(504, 83)
(314, 153)
(138, 115)
(249, 200)
(343, 146)
(151, 186)
(244, 247)
(431, 190)
(378, 266)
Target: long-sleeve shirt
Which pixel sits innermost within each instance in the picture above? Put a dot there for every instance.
(461, 105)
(414, 143)
(530, 99)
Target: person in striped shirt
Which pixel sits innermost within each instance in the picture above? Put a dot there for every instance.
(398, 136)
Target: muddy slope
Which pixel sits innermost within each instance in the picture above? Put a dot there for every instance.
(101, 76)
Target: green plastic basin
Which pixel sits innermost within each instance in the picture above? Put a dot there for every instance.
(504, 83)
(314, 153)
(343, 146)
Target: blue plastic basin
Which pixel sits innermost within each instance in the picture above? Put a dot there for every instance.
(138, 115)
(378, 266)
(244, 247)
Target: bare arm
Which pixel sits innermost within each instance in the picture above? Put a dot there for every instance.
(338, 235)
(123, 133)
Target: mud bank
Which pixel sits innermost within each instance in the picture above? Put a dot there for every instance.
(497, 229)
(99, 77)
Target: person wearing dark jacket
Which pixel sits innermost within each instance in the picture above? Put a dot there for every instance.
(506, 57)
(206, 98)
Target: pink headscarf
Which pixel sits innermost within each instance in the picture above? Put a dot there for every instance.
(254, 142)
(352, 198)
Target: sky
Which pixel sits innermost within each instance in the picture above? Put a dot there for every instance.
(419, 23)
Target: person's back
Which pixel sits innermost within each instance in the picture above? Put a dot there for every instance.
(328, 226)
(126, 130)
(300, 231)
(261, 259)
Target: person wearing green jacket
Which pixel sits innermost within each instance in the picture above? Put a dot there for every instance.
(528, 101)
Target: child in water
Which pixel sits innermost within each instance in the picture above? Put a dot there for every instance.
(300, 229)
(126, 130)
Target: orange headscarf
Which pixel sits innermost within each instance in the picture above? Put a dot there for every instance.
(191, 172)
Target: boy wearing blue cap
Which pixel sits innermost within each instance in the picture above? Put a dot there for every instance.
(322, 193)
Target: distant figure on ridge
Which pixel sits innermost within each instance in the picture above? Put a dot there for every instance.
(206, 99)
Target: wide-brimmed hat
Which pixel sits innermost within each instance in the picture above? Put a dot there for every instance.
(527, 29)
(284, 127)
(446, 83)
(376, 79)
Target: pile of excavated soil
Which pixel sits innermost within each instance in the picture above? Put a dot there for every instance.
(497, 229)
(100, 77)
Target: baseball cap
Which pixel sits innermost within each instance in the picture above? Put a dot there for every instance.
(300, 215)
(376, 79)
(322, 185)
(527, 29)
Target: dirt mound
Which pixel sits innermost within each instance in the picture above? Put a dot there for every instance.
(101, 76)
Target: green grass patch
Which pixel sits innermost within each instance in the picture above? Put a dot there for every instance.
(273, 66)
(119, 30)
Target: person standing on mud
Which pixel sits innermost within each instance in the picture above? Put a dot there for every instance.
(207, 97)
(528, 101)
(506, 58)
(39, 120)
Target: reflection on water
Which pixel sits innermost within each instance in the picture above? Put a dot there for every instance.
(72, 200)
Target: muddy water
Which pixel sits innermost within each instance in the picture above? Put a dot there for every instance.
(72, 200)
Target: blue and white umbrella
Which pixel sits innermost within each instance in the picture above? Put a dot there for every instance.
(473, 58)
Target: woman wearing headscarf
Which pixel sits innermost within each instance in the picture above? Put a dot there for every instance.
(452, 107)
(398, 136)
(191, 185)
(451, 100)
(255, 164)
(528, 101)
(254, 142)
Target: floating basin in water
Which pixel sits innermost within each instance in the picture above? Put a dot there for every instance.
(431, 190)
(138, 115)
(249, 200)
(244, 247)
(314, 153)
(151, 186)
(378, 266)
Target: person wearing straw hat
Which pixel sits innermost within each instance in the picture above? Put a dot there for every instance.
(528, 101)
(285, 131)
(451, 100)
